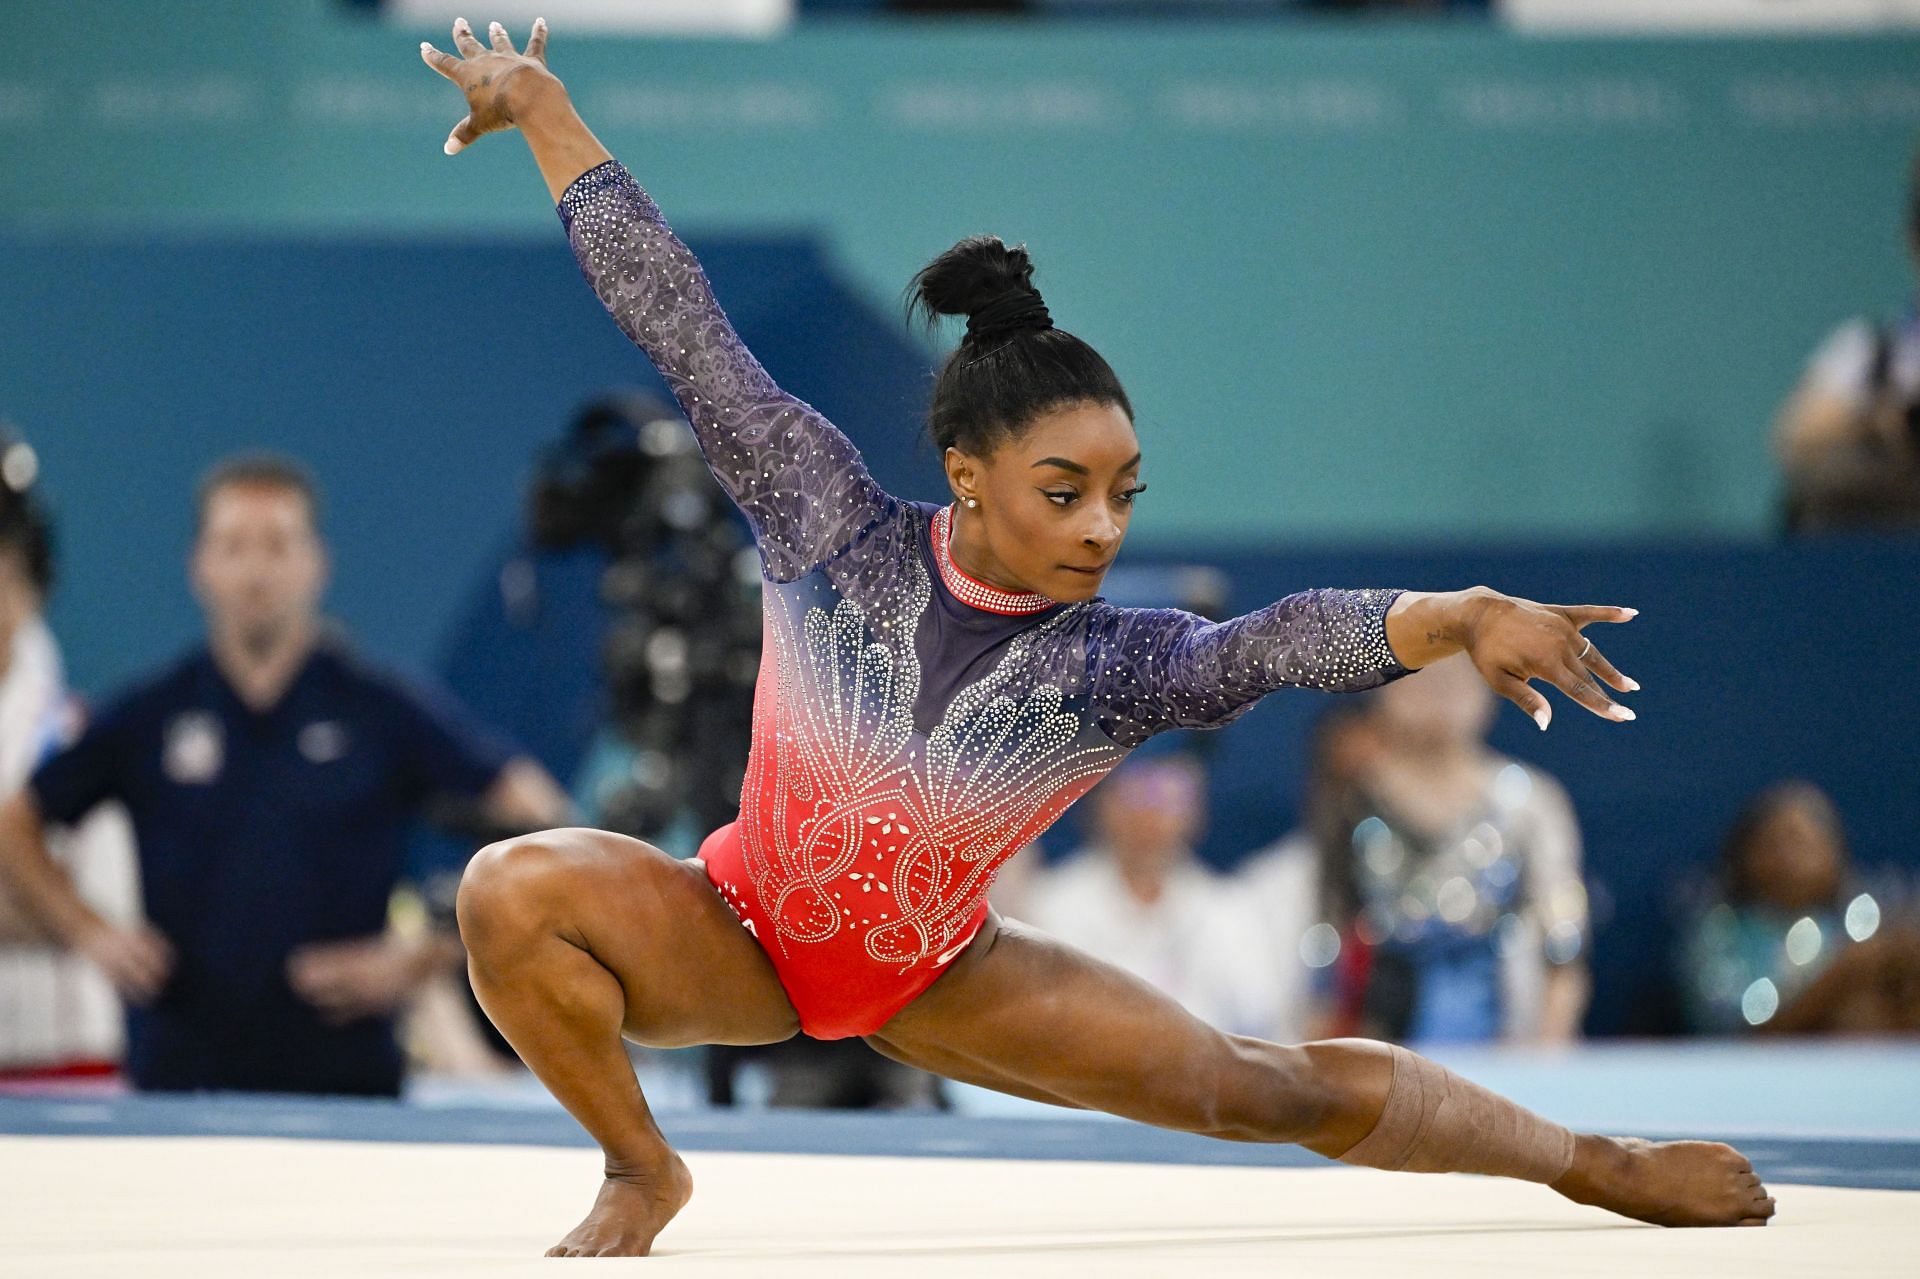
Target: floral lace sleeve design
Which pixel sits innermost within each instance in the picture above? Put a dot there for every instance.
(799, 480)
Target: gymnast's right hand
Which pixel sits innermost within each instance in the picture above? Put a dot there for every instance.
(499, 83)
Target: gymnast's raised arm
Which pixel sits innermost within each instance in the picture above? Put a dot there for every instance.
(799, 480)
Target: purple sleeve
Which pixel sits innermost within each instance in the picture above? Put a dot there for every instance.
(799, 480)
(1156, 669)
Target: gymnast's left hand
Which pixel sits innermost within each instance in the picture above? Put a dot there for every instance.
(1512, 641)
(499, 83)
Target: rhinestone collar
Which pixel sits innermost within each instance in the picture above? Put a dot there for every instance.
(971, 590)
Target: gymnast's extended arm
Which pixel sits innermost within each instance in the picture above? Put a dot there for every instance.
(798, 478)
(1158, 669)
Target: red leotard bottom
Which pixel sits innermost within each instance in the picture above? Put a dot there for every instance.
(836, 987)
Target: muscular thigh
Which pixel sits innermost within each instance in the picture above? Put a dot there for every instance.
(689, 972)
(1058, 1023)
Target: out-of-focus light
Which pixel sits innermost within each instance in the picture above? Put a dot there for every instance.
(1457, 900)
(1863, 917)
(1320, 946)
(19, 465)
(1760, 1002)
(1509, 933)
(1723, 978)
(1378, 848)
(1803, 941)
(1568, 900)
(1563, 942)
(1512, 786)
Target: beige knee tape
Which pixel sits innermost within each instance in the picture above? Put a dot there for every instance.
(1435, 1121)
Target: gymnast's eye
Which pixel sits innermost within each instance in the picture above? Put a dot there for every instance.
(1060, 497)
(1130, 494)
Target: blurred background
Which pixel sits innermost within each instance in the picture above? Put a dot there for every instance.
(1598, 303)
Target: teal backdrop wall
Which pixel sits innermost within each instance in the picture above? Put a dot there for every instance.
(1374, 282)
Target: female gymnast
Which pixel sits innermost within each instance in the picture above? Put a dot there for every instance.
(938, 684)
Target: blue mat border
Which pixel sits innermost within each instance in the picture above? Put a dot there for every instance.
(1871, 1165)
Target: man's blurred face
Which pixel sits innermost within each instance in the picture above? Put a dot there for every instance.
(258, 566)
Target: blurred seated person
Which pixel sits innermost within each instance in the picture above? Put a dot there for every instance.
(270, 774)
(58, 1015)
(1435, 892)
(1284, 879)
(1789, 944)
(1138, 897)
(1849, 435)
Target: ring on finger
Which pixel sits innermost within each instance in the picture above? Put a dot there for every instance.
(1586, 650)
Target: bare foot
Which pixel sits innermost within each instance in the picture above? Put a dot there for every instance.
(1669, 1183)
(631, 1210)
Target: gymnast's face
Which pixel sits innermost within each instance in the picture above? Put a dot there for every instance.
(1054, 502)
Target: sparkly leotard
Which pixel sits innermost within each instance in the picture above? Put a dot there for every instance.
(913, 727)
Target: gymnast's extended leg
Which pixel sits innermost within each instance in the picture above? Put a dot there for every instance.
(1029, 1014)
(576, 937)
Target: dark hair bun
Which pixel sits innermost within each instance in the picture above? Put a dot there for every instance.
(984, 279)
(1013, 363)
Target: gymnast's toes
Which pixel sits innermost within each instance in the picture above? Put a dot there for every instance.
(1672, 1183)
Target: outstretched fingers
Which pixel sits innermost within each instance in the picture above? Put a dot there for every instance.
(1587, 614)
(445, 63)
(537, 42)
(1577, 682)
(1521, 694)
(1597, 661)
(465, 41)
(463, 136)
(502, 42)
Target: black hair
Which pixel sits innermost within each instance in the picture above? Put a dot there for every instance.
(1736, 877)
(265, 470)
(26, 530)
(1013, 365)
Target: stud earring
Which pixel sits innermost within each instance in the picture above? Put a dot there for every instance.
(972, 502)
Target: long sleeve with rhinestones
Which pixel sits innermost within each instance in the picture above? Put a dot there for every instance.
(798, 478)
(1156, 669)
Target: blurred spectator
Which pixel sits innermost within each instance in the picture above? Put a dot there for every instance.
(1284, 880)
(1849, 435)
(1435, 892)
(1790, 943)
(1139, 898)
(270, 775)
(58, 1015)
